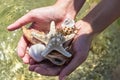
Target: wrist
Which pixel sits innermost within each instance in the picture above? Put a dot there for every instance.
(84, 27)
(71, 7)
(102, 15)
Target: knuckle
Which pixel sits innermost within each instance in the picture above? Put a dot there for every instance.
(32, 14)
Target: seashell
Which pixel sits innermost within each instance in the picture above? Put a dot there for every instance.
(34, 36)
(35, 52)
(68, 27)
(69, 23)
(50, 46)
(56, 58)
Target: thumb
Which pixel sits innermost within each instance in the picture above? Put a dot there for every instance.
(75, 62)
(21, 22)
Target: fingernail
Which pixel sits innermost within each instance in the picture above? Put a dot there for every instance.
(26, 59)
(9, 27)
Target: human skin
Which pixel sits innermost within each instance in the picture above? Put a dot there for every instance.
(95, 22)
(40, 19)
(99, 18)
(106, 12)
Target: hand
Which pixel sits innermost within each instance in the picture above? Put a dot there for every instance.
(40, 19)
(80, 48)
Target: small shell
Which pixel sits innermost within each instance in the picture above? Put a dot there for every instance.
(68, 27)
(34, 36)
(69, 23)
(35, 52)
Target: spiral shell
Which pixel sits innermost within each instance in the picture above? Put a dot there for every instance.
(35, 52)
(34, 36)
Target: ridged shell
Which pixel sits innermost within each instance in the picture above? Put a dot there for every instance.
(56, 58)
(34, 36)
(35, 52)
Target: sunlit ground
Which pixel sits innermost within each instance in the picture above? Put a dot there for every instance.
(103, 62)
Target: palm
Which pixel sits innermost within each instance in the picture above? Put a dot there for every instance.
(80, 48)
(40, 19)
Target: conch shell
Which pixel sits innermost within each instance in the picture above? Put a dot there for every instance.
(50, 46)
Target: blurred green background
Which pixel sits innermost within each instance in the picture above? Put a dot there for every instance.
(103, 62)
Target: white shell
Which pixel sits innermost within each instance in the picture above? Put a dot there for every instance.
(69, 23)
(35, 52)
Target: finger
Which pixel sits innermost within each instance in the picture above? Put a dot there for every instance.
(32, 62)
(32, 67)
(21, 22)
(75, 62)
(41, 69)
(46, 70)
(26, 59)
(22, 46)
(80, 51)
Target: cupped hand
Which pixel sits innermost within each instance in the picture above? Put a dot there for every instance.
(40, 19)
(80, 49)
